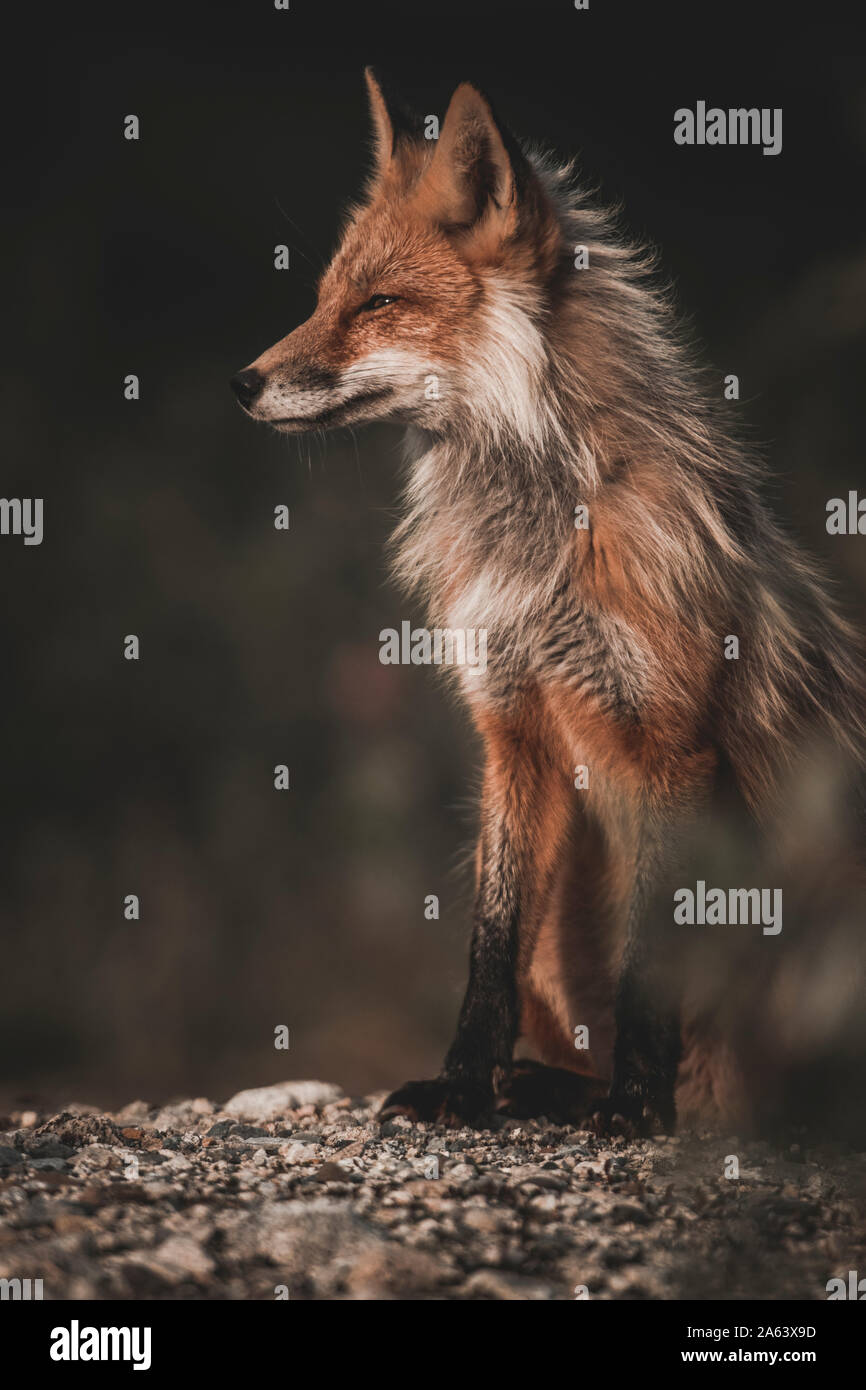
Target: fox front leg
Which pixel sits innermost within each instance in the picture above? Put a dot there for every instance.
(523, 817)
(479, 1058)
(647, 1009)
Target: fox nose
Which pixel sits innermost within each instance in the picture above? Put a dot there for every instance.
(247, 385)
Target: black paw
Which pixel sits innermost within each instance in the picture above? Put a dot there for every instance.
(534, 1089)
(632, 1117)
(439, 1102)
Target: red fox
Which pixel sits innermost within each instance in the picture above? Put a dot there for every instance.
(576, 490)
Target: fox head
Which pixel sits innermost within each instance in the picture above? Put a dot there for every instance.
(433, 304)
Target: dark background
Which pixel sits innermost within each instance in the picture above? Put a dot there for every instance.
(306, 908)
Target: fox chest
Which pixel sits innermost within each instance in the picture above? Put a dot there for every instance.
(546, 639)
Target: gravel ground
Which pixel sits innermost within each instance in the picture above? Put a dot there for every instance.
(296, 1191)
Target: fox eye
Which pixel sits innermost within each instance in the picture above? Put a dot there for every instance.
(378, 301)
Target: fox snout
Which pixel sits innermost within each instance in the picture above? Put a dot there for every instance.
(305, 396)
(292, 395)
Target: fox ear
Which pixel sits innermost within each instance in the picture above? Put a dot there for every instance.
(477, 162)
(392, 122)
